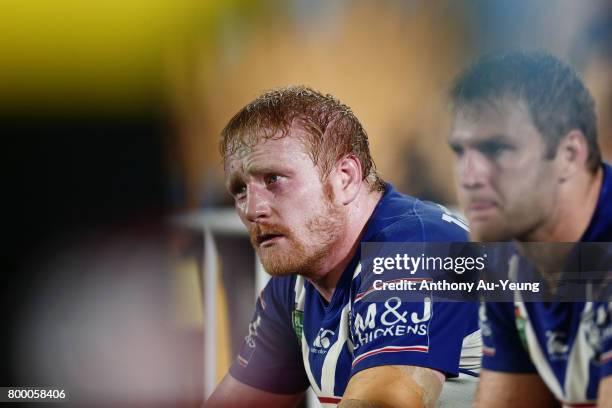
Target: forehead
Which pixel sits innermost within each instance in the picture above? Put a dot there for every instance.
(507, 118)
(281, 150)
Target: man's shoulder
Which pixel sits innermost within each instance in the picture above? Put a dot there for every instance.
(407, 219)
(600, 226)
(281, 283)
(605, 192)
(280, 290)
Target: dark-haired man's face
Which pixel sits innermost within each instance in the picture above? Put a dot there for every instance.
(506, 187)
(292, 217)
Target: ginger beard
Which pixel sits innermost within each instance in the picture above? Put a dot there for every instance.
(306, 243)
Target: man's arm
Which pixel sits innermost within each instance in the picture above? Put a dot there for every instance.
(393, 386)
(509, 390)
(268, 370)
(232, 393)
(604, 395)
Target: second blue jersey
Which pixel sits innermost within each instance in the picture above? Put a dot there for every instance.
(569, 344)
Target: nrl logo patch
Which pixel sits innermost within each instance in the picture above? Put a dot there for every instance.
(297, 318)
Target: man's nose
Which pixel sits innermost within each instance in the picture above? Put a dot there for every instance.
(257, 206)
(473, 171)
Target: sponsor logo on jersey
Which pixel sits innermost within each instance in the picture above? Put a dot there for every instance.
(391, 321)
(248, 348)
(322, 342)
(598, 332)
(556, 345)
(253, 326)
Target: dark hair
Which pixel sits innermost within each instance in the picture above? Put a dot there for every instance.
(332, 129)
(557, 100)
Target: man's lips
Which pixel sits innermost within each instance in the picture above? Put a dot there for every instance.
(481, 206)
(266, 235)
(268, 239)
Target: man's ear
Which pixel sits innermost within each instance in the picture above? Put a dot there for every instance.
(347, 178)
(572, 154)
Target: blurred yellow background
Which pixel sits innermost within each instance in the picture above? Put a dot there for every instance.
(195, 63)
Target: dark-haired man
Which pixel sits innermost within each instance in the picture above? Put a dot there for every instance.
(297, 163)
(529, 169)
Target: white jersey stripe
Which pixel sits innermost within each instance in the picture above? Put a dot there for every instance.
(577, 383)
(535, 351)
(328, 375)
(311, 379)
(471, 351)
(357, 271)
(537, 355)
(300, 293)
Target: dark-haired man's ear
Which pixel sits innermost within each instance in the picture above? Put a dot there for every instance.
(572, 154)
(347, 179)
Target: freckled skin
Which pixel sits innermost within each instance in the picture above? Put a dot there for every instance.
(278, 190)
(299, 224)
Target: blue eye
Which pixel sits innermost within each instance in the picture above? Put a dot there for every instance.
(272, 178)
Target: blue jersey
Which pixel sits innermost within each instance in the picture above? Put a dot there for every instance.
(296, 339)
(569, 344)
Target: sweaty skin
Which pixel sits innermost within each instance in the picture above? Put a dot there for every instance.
(393, 386)
(302, 224)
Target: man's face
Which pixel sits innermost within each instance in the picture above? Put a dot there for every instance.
(291, 216)
(506, 187)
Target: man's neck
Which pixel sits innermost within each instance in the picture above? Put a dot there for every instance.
(576, 206)
(340, 256)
